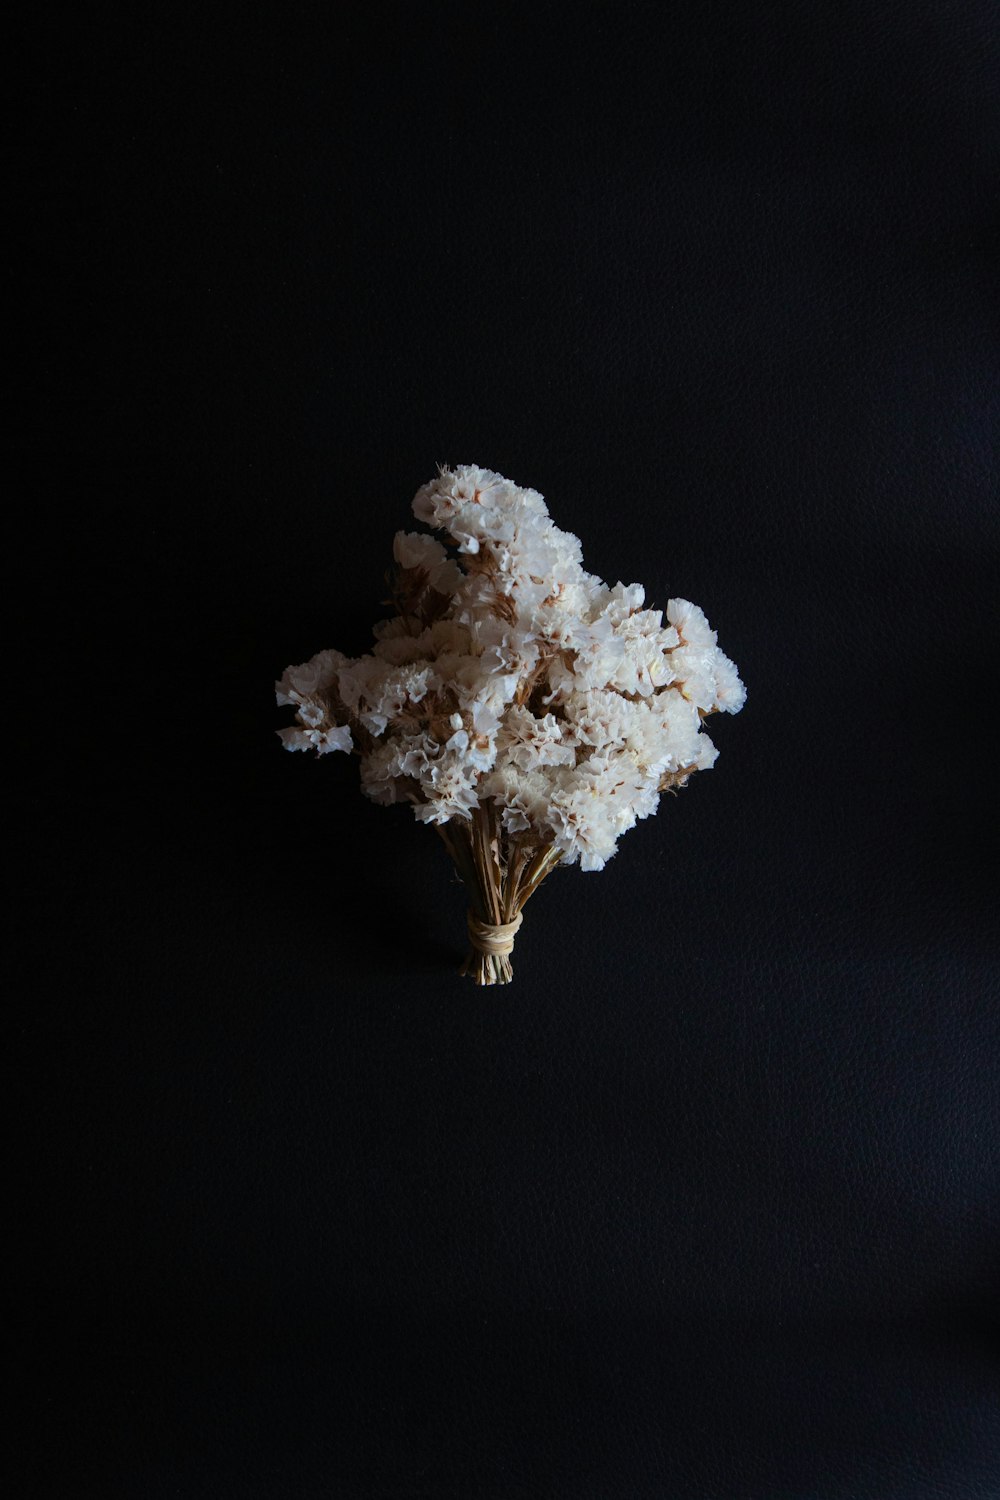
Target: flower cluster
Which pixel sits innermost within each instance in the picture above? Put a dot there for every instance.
(511, 674)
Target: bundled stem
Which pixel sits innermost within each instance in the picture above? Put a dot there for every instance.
(500, 872)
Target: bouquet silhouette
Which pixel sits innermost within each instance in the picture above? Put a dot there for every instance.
(528, 711)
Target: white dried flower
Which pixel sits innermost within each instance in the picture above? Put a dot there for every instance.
(514, 680)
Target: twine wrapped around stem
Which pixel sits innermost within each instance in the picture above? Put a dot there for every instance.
(492, 938)
(500, 872)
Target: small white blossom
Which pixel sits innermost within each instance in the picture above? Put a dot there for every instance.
(417, 551)
(690, 621)
(334, 738)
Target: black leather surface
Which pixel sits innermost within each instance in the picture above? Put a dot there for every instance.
(705, 1206)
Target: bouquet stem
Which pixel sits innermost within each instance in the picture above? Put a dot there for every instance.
(500, 872)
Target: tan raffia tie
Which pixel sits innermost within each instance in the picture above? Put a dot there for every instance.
(496, 939)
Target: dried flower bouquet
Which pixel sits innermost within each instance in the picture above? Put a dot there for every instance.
(519, 704)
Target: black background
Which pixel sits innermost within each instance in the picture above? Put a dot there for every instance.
(706, 1203)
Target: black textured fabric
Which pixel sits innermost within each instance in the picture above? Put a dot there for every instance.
(705, 1205)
